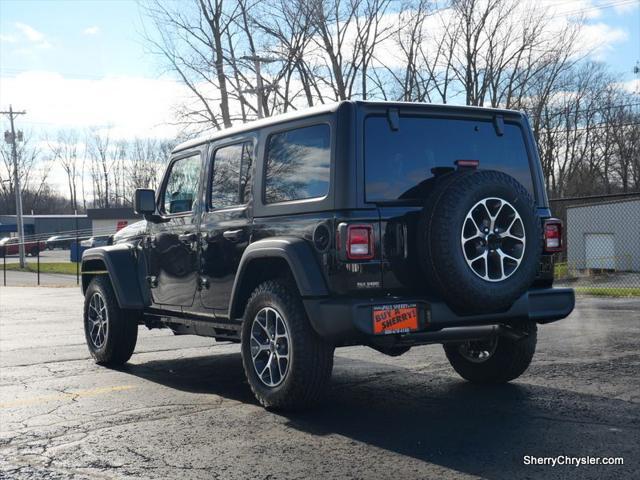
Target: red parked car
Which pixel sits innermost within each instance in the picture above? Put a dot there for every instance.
(10, 246)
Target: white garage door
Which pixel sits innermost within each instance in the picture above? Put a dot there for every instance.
(600, 250)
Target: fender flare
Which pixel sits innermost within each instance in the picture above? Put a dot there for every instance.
(121, 266)
(298, 254)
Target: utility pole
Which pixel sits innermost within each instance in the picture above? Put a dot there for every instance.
(12, 138)
(260, 88)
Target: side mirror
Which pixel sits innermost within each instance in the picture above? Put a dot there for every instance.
(145, 201)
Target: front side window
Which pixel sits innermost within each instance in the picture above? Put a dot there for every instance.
(298, 164)
(232, 174)
(182, 185)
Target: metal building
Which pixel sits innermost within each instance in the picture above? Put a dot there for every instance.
(44, 225)
(106, 221)
(604, 236)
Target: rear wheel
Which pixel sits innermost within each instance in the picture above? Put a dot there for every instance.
(496, 360)
(34, 251)
(288, 366)
(111, 332)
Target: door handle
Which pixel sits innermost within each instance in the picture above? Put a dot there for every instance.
(233, 235)
(188, 237)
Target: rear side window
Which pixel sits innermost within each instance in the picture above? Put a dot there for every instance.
(297, 164)
(182, 185)
(401, 164)
(231, 180)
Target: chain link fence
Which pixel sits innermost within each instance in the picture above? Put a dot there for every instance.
(51, 260)
(602, 244)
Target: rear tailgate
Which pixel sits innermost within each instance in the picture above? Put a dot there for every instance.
(401, 165)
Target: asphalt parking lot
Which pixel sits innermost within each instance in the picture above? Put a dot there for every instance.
(181, 408)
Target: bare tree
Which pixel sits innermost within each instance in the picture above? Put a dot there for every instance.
(65, 153)
(98, 144)
(33, 174)
(146, 157)
(191, 39)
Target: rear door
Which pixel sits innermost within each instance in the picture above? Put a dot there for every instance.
(226, 225)
(403, 163)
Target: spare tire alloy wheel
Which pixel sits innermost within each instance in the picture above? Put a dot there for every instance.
(479, 241)
(270, 346)
(98, 320)
(493, 239)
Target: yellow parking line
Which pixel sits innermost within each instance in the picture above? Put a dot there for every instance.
(65, 395)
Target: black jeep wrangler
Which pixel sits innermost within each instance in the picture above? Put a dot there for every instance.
(360, 223)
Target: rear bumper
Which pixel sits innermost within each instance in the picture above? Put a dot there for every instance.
(349, 320)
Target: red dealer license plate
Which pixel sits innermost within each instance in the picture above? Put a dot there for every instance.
(399, 318)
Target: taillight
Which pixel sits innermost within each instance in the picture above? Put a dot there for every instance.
(553, 235)
(360, 242)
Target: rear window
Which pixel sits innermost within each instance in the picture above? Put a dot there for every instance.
(297, 165)
(401, 164)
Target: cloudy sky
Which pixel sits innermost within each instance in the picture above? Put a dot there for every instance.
(82, 63)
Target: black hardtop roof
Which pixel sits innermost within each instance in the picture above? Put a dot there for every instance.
(330, 108)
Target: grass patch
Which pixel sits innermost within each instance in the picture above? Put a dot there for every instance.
(561, 270)
(45, 267)
(609, 291)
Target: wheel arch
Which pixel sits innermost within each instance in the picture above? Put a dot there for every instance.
(119, 264)
(274, 258)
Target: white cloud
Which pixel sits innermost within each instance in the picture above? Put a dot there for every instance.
(31, 33)
(128, 106)
(8, 38)
(93, 30)
(632, 86)
(34, 38)
(600, 38)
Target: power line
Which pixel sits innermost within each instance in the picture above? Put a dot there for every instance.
(619, 3)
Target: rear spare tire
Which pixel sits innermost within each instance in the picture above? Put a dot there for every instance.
(479, 241)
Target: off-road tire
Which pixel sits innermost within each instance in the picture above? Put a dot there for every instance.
(122, 331)
(440, 253)
(311, 358)
(510, 359)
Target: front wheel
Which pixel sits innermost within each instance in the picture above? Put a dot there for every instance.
(288, 366)
(111, 332)
(497, 360)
